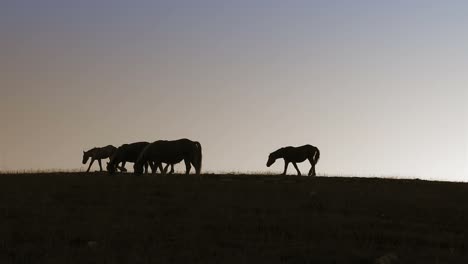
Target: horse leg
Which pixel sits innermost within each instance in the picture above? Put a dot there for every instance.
(286, 163)
(312, 168)
(146, 167)
(160, 166)
(100, 165)
(298, 171)
(196, 167)
(312, 171)
(153, 167)
(91, 163)
(172, 169)
(165, 169)
(122, 167)
(187, 167)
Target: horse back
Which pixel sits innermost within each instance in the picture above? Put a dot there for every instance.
(131, 152)
(299, 154)
(172, 151)
(103, 152)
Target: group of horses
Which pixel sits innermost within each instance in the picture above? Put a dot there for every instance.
(171, 152)
(145, 154)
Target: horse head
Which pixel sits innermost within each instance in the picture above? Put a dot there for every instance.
(85, 157)
(138, 168)
(271, 159)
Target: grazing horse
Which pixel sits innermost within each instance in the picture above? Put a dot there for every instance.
(171, 152)
(129, 153)
(294, 155)
(98, 154)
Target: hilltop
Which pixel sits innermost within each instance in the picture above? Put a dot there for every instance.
(96, 218)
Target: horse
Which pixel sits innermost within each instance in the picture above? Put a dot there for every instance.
(129, 153)
(171, 152)
(98, 154)
(294, 155)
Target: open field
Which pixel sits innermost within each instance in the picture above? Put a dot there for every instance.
(96, 218)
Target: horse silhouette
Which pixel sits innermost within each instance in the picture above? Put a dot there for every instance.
(171, 152)
(98, 154)
(130, 153)
(294, 155)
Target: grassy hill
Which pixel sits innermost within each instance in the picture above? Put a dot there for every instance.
(96, 218)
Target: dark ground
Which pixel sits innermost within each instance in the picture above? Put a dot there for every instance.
(96, 218)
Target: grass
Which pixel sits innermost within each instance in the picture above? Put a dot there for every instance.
(96, 218)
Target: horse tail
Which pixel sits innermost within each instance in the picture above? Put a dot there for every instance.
(317, 155)
(198, 157)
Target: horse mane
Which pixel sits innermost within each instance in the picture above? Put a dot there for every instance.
(277, 152)
(90, 150)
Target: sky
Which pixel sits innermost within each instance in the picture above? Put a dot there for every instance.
(380, 87)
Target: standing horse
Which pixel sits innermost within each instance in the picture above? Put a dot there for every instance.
(98, 154)
(171, 152)
(294, 155)
(129, 153)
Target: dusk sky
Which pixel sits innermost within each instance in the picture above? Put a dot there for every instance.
(380, 87)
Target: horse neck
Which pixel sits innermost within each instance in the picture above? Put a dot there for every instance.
(93, 152)
(112, 158)
(111, 148)
(139, 161)
(88, 154)
(278, 154)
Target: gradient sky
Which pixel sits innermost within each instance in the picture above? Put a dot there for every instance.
(379, 86)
